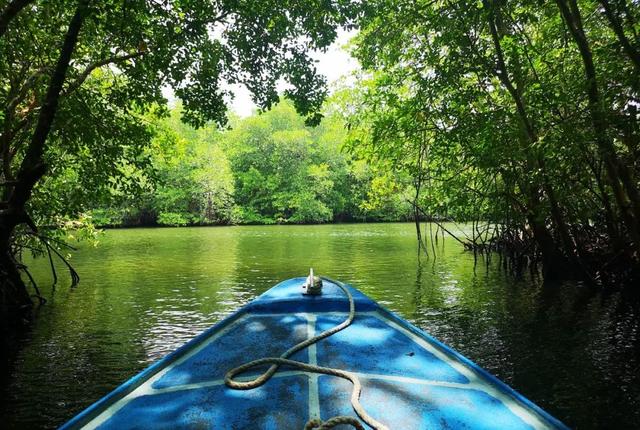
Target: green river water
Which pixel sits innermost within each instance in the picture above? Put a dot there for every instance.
(144, 292)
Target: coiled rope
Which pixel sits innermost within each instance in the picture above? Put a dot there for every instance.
(276, 362)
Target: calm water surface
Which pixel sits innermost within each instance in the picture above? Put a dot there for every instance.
(144, 292)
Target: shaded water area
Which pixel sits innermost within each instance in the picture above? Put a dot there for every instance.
(144, 292)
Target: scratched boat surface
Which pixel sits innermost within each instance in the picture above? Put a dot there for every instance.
(410, 380)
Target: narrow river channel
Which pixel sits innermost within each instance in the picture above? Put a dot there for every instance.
(144, 292)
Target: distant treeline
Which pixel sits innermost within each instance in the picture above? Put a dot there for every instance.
(266, 169)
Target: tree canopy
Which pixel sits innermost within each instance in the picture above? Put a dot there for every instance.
(78, 76)
(522, 114)
(268, 168)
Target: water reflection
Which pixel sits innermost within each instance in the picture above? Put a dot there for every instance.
(146, 291)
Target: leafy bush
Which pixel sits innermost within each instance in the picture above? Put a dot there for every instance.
(250, 216)
(173, 219)
(109, 217)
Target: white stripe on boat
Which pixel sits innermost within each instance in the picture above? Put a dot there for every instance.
(314, 395)
(145, 389)
(525, 414)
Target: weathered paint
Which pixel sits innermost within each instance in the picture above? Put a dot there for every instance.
(410, 380)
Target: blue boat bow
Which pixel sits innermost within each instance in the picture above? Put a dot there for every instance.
(409, 379)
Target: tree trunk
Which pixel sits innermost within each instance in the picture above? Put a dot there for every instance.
(15, 302)
(13, 292)
(553, 263)
(553, 260)
(621, 180)
(10, 11)
(616, 26)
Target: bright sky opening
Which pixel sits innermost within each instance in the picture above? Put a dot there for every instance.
(334, 64)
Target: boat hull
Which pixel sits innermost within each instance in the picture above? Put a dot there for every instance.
(410, 380)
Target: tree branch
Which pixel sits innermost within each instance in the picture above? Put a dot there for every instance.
(32, 167)
(616, 26)
(93, 66)
(10, 11)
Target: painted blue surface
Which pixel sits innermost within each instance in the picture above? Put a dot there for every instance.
(410, 380)
(199, 408)
(252, 338)
(416, 406)
(387, 352)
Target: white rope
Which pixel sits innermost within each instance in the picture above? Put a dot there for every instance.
(276, 362)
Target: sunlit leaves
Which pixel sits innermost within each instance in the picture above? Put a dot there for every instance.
(486, 106)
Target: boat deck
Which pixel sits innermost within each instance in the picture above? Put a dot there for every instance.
(410, 380)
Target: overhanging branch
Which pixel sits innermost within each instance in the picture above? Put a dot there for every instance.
(10, 11)
(96, 65)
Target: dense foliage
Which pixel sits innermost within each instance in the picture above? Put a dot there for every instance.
(519, 116)
(269, 168)
(78, 76)
(522, 114)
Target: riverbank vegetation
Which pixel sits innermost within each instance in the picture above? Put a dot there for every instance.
(78, 77)
(265, 169)
(520, 117)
